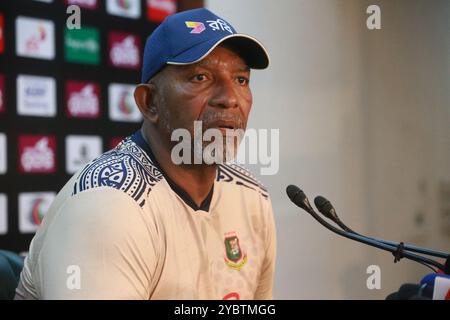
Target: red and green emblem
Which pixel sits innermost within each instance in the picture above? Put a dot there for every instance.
(235, 257)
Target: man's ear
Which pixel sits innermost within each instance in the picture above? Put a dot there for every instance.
(143, 95)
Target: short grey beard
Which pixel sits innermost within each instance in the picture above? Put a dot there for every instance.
(229, 150)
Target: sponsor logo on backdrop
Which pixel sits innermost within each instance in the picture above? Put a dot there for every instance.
(37, 154)
(3, 154)
(36, 96)
(2, 94)
(87, 4)
(2, 33)
(82, 99)
(122, 106)
(124, 50)
(35, 38)
(3, 214)
(124, 8)
(80, 150)
(158, 10)
(82, 45)
(33, 206)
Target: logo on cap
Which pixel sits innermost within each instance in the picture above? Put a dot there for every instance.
(219, 24)
(198, 27)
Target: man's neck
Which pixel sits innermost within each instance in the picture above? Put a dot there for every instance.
(195, 179)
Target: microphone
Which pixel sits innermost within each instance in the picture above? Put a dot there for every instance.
(298, 197)
(326, 208)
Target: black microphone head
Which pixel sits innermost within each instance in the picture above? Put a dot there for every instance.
(298, 197)
(292, 191)
(325, 207)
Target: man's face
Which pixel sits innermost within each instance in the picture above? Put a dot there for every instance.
(215, 91)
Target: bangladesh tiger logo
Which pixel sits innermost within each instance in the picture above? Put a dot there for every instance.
(235, 258)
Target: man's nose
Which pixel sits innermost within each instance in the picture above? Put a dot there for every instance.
(225, 95)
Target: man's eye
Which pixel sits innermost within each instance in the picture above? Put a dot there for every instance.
(243, 80)
(199, 77)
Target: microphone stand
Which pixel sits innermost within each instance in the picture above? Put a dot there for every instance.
(299, 198)
(326, 208)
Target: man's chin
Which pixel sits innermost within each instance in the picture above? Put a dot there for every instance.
(218, 156)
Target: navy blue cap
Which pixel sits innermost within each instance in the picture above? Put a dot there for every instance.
(189, 36)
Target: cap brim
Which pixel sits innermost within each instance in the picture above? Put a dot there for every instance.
(250, 49)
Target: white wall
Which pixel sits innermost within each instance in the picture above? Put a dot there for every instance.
(408, 100)
(363, 118)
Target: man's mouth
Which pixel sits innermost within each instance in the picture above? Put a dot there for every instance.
(223, 125)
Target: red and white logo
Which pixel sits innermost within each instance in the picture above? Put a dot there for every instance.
(35, 38)
(37, 154)
(36, 96)
(2, 33)
(122, 106)
(124, 50)
(87, 4)
(3, 154)
(124, 8)
(82, 99)
(232, 296)
(3, 214)
(80, 150)
(33, 206)
(2, 94)
(158, 10)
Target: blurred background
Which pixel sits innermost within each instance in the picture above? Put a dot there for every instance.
(363, 117)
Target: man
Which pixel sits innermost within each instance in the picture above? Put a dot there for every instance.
(133, 224)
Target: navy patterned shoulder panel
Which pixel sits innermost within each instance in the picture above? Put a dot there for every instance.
(127, 168)
(233, 173)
